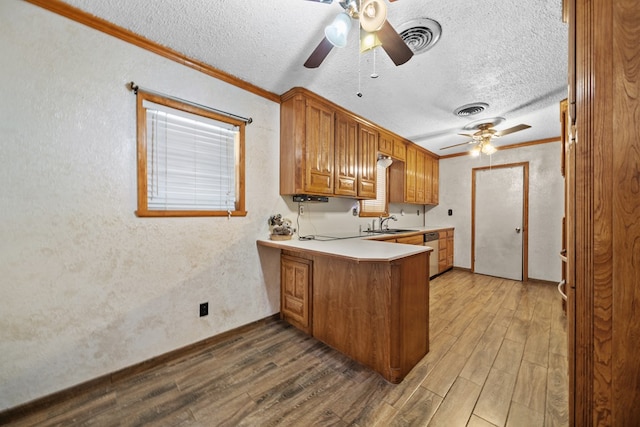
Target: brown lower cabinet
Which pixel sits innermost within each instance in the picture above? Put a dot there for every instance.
(295, 298)
(376, 312)
(445, 247)
(445, 250)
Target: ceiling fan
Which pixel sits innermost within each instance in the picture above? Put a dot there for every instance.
(483, 136)
(372, 17)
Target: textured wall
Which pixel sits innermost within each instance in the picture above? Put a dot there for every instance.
(546, 204)
(87, 287)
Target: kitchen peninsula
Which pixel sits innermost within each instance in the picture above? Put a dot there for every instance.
(367, 299)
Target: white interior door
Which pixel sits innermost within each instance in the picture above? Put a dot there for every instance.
(499, 213)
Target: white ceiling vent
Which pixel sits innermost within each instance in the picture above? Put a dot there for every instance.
(420, 34)
(470, 109)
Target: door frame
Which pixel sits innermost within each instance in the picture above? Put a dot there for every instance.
(525, 214)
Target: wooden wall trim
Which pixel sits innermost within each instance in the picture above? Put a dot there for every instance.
(21, 411)
(601, 201)
(584, 208)
(75, 14)
(510, 146)
(607, 232)
(625, 210)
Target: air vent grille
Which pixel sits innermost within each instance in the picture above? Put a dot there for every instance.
(420, 34)
(471, 109)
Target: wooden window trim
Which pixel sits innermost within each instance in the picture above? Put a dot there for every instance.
(141, 125)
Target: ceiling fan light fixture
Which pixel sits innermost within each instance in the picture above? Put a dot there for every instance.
(475, 152)
(373, 15)
(368, 41)
(488, 149)
(338, 30)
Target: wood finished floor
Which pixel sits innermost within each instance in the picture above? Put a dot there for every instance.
(498, 358)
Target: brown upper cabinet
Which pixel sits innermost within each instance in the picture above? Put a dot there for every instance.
(346, 156)
(415, 180)
(326, 150)
(435, 182)
(392, 146)
(399, 150)
(385, 143)
(367, 161)
(306, 146)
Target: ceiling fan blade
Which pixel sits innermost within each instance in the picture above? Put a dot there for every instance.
(323, 1)
(318, 55)
(457, 145)
(393, 44)
(511, 130)
(467, 135)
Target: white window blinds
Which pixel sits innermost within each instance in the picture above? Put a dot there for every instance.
(378, 206)
(191, 160)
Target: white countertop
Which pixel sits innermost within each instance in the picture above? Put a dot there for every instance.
(357, 249)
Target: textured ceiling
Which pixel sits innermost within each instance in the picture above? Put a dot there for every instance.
(509, 54)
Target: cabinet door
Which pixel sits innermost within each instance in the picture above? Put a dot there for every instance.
(410, 175)
(442, 251)
(346, 156)
(435, 182)
(295, 291)
(385, 144)
(367, 162)
(319, 148)
(428, 181)
(420, 190)
(399, 150)
(449, 248)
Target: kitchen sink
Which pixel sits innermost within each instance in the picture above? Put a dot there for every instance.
(392, 231)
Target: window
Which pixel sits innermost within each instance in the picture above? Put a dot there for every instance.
(380, 205)
(190, 159)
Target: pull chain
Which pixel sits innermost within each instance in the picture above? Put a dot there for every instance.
(359, 92)
(374, 75)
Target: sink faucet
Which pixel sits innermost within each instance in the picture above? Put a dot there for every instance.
(383, 220)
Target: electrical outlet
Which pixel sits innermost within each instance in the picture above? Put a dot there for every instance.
(300, 209)
(204, 309)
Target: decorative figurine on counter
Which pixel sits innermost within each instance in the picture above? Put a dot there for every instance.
(280, 228)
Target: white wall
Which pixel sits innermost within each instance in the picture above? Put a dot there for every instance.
(546, 204)
(87, 287)
(337, 216)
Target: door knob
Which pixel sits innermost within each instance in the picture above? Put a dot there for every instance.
(517, 229)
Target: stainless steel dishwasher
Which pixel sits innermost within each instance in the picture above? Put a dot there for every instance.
(431, 240)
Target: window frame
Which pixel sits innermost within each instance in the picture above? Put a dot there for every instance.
(141, 125)
(364, 213)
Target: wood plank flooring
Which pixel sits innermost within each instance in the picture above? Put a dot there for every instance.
(498, 358)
